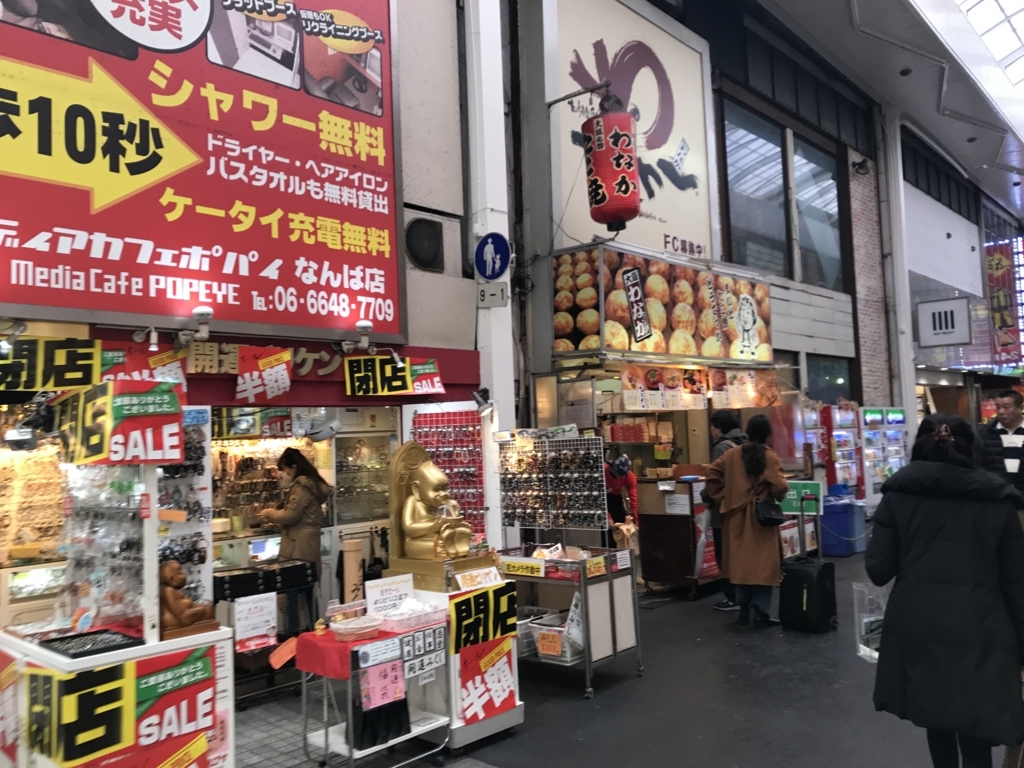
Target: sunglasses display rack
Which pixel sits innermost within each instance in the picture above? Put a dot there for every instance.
(245, 478)
(553, 483)
(31, 500)
(185, 506)
(103, 538)
(453, 441)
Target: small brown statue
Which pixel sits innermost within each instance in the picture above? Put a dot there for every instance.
(425, 521)
(176, 610)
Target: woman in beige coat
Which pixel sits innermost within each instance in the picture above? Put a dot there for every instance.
(752, 553)
(300, 520)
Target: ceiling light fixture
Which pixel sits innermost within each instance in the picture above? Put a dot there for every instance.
(906, 72)
(971, 139)
(862, 167)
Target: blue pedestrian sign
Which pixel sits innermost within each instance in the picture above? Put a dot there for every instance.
(493, 256)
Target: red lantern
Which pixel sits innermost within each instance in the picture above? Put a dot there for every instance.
(613, 173)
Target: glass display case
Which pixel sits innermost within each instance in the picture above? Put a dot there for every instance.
(245, 552)
(36, 583)
(361, 476)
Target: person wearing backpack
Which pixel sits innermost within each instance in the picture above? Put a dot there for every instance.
(952, 642)
(752, 557)
(725, 435)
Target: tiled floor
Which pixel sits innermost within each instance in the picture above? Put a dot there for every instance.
(269, 735)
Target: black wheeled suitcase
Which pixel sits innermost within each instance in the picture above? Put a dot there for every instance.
(807, 598)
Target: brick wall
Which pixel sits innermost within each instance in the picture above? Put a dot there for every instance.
(870, 310)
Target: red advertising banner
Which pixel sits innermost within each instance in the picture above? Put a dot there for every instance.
(137, 362)
(1002, 298)
(158, 155)
(488, 682)
(156, 712)
(122, 422)
(264, 374)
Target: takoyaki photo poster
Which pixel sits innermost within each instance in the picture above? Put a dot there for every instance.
(607, 299)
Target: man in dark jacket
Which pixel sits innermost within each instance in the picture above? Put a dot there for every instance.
(725, 435)
(1001, 440)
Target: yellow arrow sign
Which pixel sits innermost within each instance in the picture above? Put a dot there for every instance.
(89, 133)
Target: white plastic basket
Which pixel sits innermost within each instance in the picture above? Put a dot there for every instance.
(526, 615)
(869, 604)
(551, 643)
(416, 621)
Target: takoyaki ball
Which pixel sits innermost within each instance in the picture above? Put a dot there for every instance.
(732, 329)
(620, 285)
(581, 257)
(662, 268)
(684, 319)
(584, 281)
(617, 308)
(762, 330)
(565, 270)
(563, 345)
(612, 260)
(629, 261)
(656, 287)
(563, 324)
(764, 353)
(684, 273)
(653, 343)
(761, 293)
(744, 287)
(681, 343)
(738, 352)
(588, 321)
(707, 325)
(563, 301)
(764, 311)
(583, 268)
(704, 289)
(615, 336)
(595, 256)
(591, 342)
(682, 293)
(606, 279)
(712, 348)
(586, 299)
(565, 258)
(565, 283)
(725, 283)
(656, 314)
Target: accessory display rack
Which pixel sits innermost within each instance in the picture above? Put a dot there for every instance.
(453, 441)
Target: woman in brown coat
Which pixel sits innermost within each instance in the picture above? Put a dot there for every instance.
(752, 556)
(300, 520)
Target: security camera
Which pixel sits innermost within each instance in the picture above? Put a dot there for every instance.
(203, 314)
(365, 328)
(20, 439)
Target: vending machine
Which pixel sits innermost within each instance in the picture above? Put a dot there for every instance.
(842, 452)
(883, 449)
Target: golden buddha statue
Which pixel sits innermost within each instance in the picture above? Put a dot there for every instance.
(426, 523)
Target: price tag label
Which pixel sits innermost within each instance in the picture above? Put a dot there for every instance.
(549, 643)
(622, 559)
(523, 566)
(596, 567)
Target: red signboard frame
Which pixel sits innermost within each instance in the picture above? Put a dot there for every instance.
(125, 241)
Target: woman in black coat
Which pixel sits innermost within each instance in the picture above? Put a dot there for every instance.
(953, 636)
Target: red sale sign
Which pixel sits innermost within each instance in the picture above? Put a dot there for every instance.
(264, 374)
(158, 712)
(238, 154)
(488, 684)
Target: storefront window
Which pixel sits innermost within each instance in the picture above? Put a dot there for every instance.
(817, 204)
(828, 378)
(788, 365)
(757, 191)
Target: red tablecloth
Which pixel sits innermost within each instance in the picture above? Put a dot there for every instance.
(325, 656)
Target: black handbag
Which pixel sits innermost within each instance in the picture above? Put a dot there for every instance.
(769, 513)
